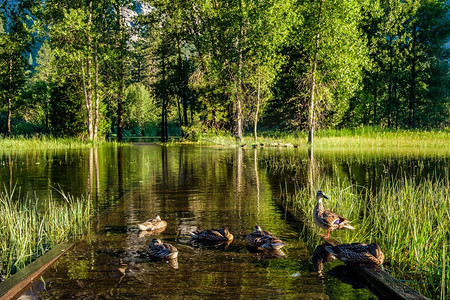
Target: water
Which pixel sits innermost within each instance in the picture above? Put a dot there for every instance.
(190, 187)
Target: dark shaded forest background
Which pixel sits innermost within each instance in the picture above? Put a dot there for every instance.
(92, 69)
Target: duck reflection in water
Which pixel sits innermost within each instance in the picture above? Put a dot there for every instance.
(319, 258)
(266, 254)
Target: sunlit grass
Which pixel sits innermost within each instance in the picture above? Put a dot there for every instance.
(46, 142)
(364, 139)
(30, 227)
(410, 221)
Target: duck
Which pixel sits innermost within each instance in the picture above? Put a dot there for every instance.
(155, 224)
(158, 249)
(327, 219)
(357, 253)
(212, 235)
(263, 239)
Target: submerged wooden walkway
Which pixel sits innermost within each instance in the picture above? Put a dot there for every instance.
(14, 286)
(388, 286)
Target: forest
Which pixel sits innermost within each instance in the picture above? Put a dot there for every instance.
(95, 69)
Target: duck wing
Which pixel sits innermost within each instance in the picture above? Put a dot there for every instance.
(355, 253)
(209, 234)
(330, 218)
(164, 251)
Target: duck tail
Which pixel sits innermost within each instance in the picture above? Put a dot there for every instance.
(330, 250)
(348, 226)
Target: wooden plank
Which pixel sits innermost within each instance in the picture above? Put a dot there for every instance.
(15, 285)
(383, 282)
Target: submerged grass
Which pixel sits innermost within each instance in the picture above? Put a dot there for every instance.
(30, 227)
(410, 221)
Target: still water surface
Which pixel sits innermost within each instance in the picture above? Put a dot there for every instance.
(190, 187)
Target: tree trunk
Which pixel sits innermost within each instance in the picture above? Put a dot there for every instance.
(311, 103)
(97, 96)
(121, 78)
(375, 96)
(311, 121)
(255, 123)
(239, 121)
(163, 99)
(8, 133)
(88, 94)
(412, 86)
(391, 68)
(182, 90)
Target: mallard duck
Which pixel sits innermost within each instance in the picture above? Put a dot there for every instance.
(212, 235)
(263, 239)
(357, 253)
(158, 249)
(153, 224)
(327, 219)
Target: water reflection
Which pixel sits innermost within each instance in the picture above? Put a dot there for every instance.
(319, 258)
(191, 187)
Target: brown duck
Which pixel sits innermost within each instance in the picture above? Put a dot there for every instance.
(155, 224)
(327, 219)
(158, 249)
(357, 253)
(263, 239)
(212, 235)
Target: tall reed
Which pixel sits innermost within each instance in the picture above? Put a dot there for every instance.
(30, 227)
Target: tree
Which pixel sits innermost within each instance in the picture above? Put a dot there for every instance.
(14, 40)
(334, 56)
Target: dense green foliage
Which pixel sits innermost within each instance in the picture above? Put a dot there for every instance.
(159, 67)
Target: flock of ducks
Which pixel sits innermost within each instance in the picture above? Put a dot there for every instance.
(264, 240)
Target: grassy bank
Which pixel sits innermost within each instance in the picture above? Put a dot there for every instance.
(367, 138)
(409, 221)
(46, 142)
(30, 227)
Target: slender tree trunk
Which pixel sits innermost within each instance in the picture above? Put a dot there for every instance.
(163, 99)
(375, 100)
(121, 77)
(90, 113)
(239, 92)
(255, 127)
(312, 119)
(8, 133)
(391, 71)
(183, 88)
(97, 97)
(412, 86)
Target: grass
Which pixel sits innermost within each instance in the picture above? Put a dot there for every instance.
(410, 221)
(48, 142)
(373, 139)
(30, 227)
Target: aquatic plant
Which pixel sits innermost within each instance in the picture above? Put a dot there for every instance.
(30, 227)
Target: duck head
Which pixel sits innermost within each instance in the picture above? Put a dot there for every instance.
(320, 196)
(155, 241)
(258, 228)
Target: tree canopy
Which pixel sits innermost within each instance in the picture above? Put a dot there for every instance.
(157, 67)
